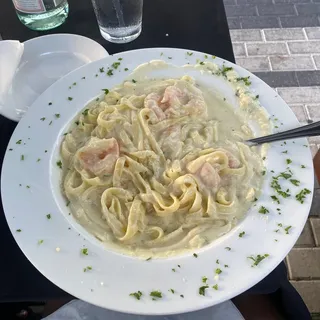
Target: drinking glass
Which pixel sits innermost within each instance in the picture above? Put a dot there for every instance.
(119, 20)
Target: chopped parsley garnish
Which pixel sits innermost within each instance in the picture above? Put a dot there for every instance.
(28, 187)
(288, 161)
(287, 229)
(204, 279)
(256, 260)
(149, 259)
(217, 261)
(19, 141)
(106, 91)
(70, 98)
(110, 73)
(256, 97)
(245, 80)
(226, 266)
(171, 290)
(264, 158)
(87, 269)
(134, 81)
(228, 248)
(189, 54)
(201, 63)
(50, 104)
(295, 182)
(275, 198)
(101, 69)
(218, 271)
(48, 216)
(156, 294)
(206, 56)
(225, 69)
(42, 119)
(285, 151)
(57, 115)
(85, 112)
(215, 287)
(126, 69)
(263, 172)
(96, 75)
(263, 210)
(50, 123)
(302, 195)
(67, 204)
(179, 266)
(181, 295)
(303, 166)
(59, 164)
(74, 84)
(18, 230)
(285, 175)
(255, 199)
(77, 123)
(22, 157)
(174, 270)
(84, 251)
(195, 255)
(137, 295)
(120, 59)
(241, 234)
(115, 65)
(170, 58)
(40, 241)
(83, 78)
(10, 149)
(202, 290)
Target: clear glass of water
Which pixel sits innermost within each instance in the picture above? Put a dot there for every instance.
(119, 20)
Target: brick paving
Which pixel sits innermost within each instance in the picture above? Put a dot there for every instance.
(279, 41)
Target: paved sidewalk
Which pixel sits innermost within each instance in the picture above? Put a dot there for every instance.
(279, 41)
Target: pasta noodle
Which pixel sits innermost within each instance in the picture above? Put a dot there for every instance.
(153, 169)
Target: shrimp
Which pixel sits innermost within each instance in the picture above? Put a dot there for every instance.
(209, 176)
(152, 101)
(100, 158)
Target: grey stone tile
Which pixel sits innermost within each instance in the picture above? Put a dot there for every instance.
(234, 23)
(315, 224)
(306, 238)
(276, 9)
(259, 22)
(277, 79)
(297, 47)
(307, 95)
(239, 50)
(284, 34)
(299, 21)
(262, 49)
(314, 112)
(308, 78)
(313, 33)
(253, 1)
(229, 2)
(314, 150)
(245, 35)
(291, 63)
(243, 10)
(254, 63)
(315, 207)
(316, 60)
(308, 9)
(292, 1)
(299, 112)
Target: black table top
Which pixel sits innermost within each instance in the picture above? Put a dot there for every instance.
(200, 25)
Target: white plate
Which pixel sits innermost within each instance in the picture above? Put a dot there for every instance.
(45, 60)
(30, 190)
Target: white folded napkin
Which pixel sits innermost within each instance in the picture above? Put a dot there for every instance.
(10, 55)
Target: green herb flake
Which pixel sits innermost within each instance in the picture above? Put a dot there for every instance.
(67, 204)
(18, 230)
(77, 123)
(204, 279)
(245, 80)
(115, 65)
(288, 161)
(302, 195)
(156, 294)
(226, 266)
(48, 216)
(215, 287)
(173, 269)
(19, 141)
(59, 164)
(38, 160)
(50, 104)
(189, 54)
(256, 97)
(263, 172)
(181, 295)
(228, 248)
(171, 290)
(303, 166)
(225, 69)
(287, 229)
(285, 151)
(134, 81)
(50, 123)
(126, 69)
(110, 73)
(218, 271)
(40, 242)
(263, 210)
(83, 78)
(42, 119)
(101, 70)
(137, 295)
(120, 59)
(256, 260)
(22, 157)
(85, 112)
(87, 269)
(70, 98)
(217, 261)
(295, 182)
(28, 187)
(275, 198)
(202, 290)
(241, 234)
(195, 255)
(57, 115)
(84, 251)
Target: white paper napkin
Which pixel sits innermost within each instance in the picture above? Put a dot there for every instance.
(10, 55)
